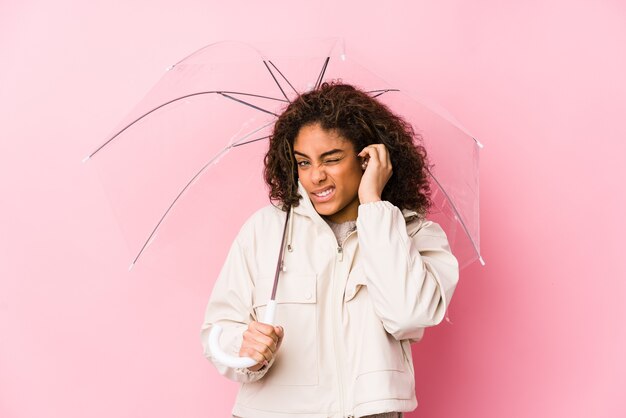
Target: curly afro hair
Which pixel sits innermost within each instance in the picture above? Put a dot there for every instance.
(363, 120)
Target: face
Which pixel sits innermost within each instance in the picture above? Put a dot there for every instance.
(330, 172)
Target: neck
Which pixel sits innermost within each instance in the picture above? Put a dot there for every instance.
(349, 213)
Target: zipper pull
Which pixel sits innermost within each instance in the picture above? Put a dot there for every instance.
(340, 252)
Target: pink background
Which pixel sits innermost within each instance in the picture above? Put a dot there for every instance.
(537, 332)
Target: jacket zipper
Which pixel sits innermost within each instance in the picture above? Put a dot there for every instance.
(338, 362)
(334, 321)
(338, 353)
(340, 247)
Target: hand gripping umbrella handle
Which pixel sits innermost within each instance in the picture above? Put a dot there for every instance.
(216, 331)
(234, 361)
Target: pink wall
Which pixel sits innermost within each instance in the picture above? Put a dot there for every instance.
(538, 332)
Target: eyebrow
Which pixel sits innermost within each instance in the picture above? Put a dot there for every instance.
(324, 154)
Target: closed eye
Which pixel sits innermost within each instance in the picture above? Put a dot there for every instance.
(305, 163)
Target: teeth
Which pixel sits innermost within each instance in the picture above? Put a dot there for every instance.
(325, 193)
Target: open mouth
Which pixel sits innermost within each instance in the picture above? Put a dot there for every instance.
(324, 195)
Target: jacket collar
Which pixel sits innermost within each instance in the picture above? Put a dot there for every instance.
(305, 207)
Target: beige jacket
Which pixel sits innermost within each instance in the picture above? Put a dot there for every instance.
(349, 313)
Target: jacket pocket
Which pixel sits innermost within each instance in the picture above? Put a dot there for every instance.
(356, 280)
(296, 362)
(383, 384)
(374, 348)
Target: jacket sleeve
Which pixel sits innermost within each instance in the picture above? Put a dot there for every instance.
(230, 306)
(410, 279)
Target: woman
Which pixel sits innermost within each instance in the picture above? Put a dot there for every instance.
(364, 271)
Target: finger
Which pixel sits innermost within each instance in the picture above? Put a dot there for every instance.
(256, 336)
(265, 329)
(377, 153)
(269, 333)
(382, 151)
(261, 332)
(265, 340)
(260, 348)
(280, 331)
(374, 154)
(365, 151)
(246, 351)
(382, 155)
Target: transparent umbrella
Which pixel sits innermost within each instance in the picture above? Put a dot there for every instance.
(204, 128)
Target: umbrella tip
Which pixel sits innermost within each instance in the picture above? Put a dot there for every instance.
(170, 67)
(482, 262)
(131, 266)
(86, 158)
(478, 143)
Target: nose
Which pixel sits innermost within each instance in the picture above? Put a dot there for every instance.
(318, 174)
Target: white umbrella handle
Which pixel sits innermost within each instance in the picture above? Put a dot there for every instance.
(234, 361)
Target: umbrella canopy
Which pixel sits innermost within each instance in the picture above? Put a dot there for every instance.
(206, 124)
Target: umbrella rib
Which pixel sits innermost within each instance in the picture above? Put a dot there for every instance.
(283, 76)
(275, 80)
(381, 92)
(237, 143)
(249, 142)
(218, 155)
(456, 212)
(246, 103)
(170, 102)
(321, 76)
(255, 95)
